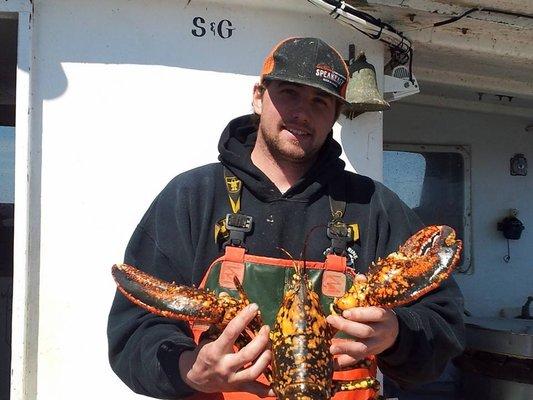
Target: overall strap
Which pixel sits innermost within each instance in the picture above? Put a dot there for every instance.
(334, 277)
(238, 224)
(338, 231)
(337, 198)
(233, 188)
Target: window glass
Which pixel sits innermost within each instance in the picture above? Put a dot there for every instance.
(434, 182)
(7, 164)
(7, 199)
(407, 186)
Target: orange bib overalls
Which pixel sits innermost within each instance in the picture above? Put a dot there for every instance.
(263, 280)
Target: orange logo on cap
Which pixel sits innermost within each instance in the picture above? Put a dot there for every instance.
(324, 67)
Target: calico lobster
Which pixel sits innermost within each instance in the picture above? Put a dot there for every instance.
(302, 366)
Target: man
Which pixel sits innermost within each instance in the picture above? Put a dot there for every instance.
(292, 178)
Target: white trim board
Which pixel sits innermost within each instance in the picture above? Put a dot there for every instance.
(25, 260)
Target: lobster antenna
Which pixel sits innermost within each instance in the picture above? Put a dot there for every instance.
(296, 267)
(286, 252)
(304, 249)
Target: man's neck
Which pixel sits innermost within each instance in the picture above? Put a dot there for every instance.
(283, 173)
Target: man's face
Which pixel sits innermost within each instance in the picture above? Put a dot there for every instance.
(295, 120)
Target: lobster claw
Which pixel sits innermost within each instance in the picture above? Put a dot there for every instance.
(167, 299)
(420, 265)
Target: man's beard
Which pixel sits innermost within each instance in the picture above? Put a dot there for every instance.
(288, 150)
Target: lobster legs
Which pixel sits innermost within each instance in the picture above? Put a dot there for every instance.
(356, 384)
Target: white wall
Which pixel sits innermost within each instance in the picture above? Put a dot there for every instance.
(493, 140)
(124, 98)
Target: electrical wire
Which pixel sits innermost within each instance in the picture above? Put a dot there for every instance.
(376, 29)
(472, 10)
(399, 45)
(457, 18)
(507, 257)
(364, 22)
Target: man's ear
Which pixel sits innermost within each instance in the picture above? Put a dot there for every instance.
(257, 99)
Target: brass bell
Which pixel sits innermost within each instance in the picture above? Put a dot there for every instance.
(362, 92)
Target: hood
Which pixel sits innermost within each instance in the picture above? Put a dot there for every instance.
(235, 148)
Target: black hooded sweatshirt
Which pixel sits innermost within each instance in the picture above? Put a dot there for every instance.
(175, 242)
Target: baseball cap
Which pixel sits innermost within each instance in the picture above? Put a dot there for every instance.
(308, 61)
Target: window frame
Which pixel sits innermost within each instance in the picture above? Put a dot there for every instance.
(466, 266)
(26, 249)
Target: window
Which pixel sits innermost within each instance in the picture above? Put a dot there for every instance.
(7, 198)
(8, 76)
(435, 182)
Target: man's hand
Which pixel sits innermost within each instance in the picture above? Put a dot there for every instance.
(375, 329)
(214, 367)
